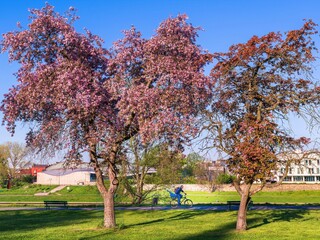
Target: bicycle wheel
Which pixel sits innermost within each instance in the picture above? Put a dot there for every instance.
(174, 203)
(188, 203)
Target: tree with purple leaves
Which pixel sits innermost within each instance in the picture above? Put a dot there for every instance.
(258, 84)
(77, 95)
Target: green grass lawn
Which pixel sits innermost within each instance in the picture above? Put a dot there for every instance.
(74, 194)
(173, 224)
(27, 189)
(261, 197)
(91, 194)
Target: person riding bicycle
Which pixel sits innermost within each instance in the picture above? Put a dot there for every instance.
(178, 191)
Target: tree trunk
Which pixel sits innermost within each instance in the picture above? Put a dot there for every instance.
(108, 200)
(107, 195)
(109, 219)
(242, 213)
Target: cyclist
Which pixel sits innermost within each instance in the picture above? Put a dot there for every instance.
(178, 191)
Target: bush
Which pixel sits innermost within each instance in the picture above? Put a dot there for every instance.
(3, 183)
(224, 178)
(28, 178)
(22, 181)
(189, 180)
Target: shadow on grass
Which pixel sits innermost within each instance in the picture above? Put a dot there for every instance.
(223, 233)
(170, 220)
(275, 216)
(176, 217)
(227, 230)
(32, 220)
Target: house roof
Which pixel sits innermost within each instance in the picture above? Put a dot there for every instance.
(39, 165)
(72, 166)
(61, 168)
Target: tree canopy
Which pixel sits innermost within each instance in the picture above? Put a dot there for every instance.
(82, 97)
(257, 84)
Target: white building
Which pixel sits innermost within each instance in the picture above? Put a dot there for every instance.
(307, 171)
(58, 174)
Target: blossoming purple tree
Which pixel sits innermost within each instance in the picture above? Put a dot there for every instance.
(77, 95)
(258, 83)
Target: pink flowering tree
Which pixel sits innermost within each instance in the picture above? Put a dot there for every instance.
(76, 95)
(258, 83)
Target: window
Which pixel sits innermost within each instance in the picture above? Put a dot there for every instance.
(300, 170)
(310, 171)
(298, 179)
(318, 178)
(309, 178)
(308, 162)
(318, 170)
(93, 177)
(318, 162)
(287, 179)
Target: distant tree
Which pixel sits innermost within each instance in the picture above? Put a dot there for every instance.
(134, 172)
(81, 97)
(13, 157)
(156, 164)
(4, 167)
(190, 165)
(205, 176)
(258, 84)
(4, 154)
(169, 164)
(211, 174)
(17, 157)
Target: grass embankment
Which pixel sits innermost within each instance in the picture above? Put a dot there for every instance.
(27, 190)
(71, 194)
(174, 224)
(299, 197)
(91, 194)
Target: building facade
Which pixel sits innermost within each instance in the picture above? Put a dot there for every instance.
(307, 171)
(58, 174)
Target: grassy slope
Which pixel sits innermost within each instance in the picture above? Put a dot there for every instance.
(27, 190)
(261, 197)
(174, 224)
(91, 194)
(74, 194)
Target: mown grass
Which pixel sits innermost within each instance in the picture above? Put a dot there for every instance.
(29, 189)
(301, 197)
(91, 194)
(173, 224)
(71, 194)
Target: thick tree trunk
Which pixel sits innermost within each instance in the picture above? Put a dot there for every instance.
(107, 195)
(109, 213)
(242, 213)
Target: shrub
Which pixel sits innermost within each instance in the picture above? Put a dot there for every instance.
(224, 178)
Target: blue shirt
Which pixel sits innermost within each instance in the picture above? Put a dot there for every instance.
(178, 190)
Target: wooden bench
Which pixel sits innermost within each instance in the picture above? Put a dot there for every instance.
(237, 203)
(61, 204)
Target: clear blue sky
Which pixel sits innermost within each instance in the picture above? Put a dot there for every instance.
(225, 22)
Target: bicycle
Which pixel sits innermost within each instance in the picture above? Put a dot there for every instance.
(184, 200)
